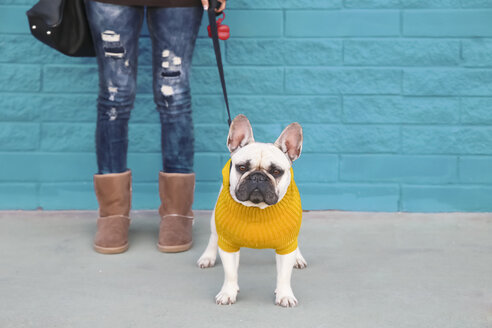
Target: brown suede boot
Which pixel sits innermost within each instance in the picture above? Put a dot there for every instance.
(114, 195)
(176, 192)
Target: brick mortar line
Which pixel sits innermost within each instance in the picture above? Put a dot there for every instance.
(149, 96)
(4, 152)
(336, 37)
(265, 67)
(299, 182)
(253, 94)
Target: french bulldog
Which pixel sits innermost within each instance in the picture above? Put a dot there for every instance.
(259, 177)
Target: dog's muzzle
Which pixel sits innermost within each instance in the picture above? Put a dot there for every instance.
(257, 188)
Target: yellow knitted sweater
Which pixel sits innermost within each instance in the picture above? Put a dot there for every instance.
(276, 226)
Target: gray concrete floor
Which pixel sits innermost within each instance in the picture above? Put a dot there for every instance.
(365, 270)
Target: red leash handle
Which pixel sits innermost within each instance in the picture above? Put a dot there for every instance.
(223, 30)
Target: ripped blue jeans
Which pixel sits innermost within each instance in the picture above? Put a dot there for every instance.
(173, 31)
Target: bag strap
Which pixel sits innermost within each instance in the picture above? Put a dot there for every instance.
(218, 56)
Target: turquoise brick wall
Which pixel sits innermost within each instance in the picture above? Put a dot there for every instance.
(395, 97)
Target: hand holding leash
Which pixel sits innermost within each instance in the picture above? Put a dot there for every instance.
(221, 4)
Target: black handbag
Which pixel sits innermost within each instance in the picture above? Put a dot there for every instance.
(62, 25)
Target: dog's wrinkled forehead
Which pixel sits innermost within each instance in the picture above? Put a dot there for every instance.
(260, 156)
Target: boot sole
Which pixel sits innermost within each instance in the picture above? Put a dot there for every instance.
(110, 250)
(174, 249)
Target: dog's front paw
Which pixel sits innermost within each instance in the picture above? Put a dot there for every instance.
(300, 261)
(206, 261)
(227, 295)
(285, 298)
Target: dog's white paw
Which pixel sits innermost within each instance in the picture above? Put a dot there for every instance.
(206, 261)
(227, 295)
(285, 298)
(300, 261)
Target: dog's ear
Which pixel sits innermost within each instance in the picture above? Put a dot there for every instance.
(240, 133)
(290, 141)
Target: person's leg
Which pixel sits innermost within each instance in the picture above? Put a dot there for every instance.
(115, 30)
(173, 32)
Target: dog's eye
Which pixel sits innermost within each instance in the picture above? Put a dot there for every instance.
(242, 168)
(276, 172)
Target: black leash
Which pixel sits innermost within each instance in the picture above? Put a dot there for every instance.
(218, 56)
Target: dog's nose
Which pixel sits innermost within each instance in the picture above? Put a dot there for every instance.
(257, 177)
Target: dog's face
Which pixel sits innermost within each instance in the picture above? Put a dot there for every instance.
(260, 172)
